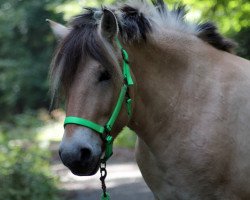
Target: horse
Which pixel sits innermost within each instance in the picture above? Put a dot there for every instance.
(190, 99)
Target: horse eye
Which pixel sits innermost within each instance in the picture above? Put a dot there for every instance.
(104, 76)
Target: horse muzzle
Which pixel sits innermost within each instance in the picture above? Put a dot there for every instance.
(81, 152)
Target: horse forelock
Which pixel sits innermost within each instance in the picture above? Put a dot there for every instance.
(82, 41)
(136, 19)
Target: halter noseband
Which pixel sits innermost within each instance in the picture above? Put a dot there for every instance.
(123, 96)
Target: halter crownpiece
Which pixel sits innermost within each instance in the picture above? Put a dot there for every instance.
(104, 131)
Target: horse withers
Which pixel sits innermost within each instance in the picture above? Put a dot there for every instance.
(190, 101)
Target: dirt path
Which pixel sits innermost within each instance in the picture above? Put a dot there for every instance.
(124, 180)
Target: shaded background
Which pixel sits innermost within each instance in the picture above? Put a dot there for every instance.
(28, 134)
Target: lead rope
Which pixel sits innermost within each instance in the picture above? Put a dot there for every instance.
(103, 171)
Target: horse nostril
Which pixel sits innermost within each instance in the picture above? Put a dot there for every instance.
(85, 154)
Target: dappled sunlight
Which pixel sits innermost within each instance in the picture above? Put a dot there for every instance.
(52, 130)
(69, 9)
(72, 8)
(115, 172)
(123, 173)
(123, 180)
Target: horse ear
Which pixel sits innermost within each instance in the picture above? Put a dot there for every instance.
(109, 25)
(59, 30)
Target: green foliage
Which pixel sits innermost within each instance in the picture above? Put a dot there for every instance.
(21, 126)
(125, 139)
(243, 39)
(25, 173)
(25, 54)
(231, 17)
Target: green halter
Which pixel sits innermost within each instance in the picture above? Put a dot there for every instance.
(123, 96)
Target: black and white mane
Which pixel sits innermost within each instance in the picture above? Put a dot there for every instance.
(137, 19)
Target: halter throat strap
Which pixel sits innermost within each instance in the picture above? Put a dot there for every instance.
(124, 96)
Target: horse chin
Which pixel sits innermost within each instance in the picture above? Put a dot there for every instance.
(86, 171)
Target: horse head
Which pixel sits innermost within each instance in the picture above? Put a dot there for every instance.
(87, 68)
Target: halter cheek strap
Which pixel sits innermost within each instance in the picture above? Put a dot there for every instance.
(123, 96)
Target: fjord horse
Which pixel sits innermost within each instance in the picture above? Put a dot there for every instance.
(190, 101)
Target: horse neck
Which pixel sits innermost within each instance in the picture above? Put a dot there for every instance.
(161, 67)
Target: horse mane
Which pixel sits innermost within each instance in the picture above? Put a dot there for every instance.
(136, 19)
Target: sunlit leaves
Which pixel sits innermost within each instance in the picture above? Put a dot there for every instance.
(74, 7)
(69, 9)
(229, 15)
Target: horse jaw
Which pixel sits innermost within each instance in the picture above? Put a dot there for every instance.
(60, 31)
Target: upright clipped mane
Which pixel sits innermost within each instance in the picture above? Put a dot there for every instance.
(175, 19)
(136, 19)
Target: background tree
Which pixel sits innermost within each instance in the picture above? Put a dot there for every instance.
(231, 16)
(26, 47)
(26, 43)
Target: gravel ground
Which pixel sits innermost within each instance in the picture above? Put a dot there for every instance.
(124, 180)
